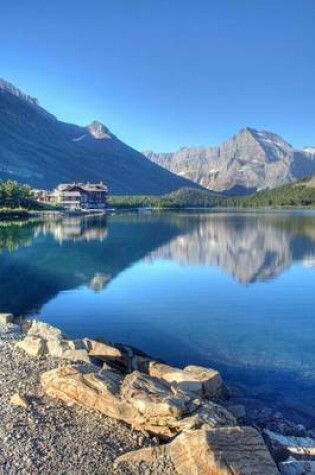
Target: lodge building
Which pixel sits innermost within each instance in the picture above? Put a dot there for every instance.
(75, 196)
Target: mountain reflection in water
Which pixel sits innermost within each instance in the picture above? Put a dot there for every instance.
(248, 247)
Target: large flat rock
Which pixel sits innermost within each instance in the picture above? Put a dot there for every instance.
(144, 402)
(238, 450)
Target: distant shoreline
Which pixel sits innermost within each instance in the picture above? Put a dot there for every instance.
(19, 215)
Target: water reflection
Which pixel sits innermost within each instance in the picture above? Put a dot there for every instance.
(16, 234)
(248, 247)
(92, 253)
(156, 281)
(75, 228)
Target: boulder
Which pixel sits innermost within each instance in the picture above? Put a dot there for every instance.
(102, 350)
(80, 385)
(297, 467)
(116, 356)
(32, 345)
(235, 450)
(144, 402)
(282, 446)
(6, 318)
(202, 381)
(42, 329)
(209, 378)
(73, 350)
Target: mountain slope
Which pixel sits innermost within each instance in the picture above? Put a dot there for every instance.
(300, 193)
(250, 160)
(38, 149)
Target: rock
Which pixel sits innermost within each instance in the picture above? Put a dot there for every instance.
(175, 375)
(57, 347)
(99, 391)
(202, 381)
(144, 402)
(43, 339)
(42, 329)
(6, 318)
(65, 349)
(282, 446)
(102, 350)
(210, 379)
(163, 406)
(73, 350)
(19, 400)
(236, 449)
(76, 355)
(297, 467)
(115, 356)
(33, 345)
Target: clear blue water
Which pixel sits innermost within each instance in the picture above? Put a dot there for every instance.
(235, 291)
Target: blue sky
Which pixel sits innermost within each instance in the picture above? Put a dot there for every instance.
(162, 74)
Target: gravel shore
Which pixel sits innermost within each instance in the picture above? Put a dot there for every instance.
(48, 437)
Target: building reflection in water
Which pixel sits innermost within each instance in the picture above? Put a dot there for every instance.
(99, 281)
(75, 228)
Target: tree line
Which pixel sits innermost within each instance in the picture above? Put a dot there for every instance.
(15, 195)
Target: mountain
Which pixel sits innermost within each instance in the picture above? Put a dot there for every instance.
(38, 149)
(250, 160)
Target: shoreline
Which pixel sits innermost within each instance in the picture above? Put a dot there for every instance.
(47, 436)
(25, 371)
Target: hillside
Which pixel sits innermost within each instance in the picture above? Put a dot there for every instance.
(249, 161)
(301, 193)
(38, 149)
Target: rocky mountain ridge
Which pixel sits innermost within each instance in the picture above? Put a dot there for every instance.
(251, 160)
(38, 149)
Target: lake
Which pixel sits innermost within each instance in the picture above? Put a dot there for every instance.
(231, 290)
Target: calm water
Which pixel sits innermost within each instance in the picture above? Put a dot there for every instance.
(233, 291)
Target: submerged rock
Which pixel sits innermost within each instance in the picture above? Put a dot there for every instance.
(239, 450)
(282, 446)
(297, 467)
(238, 411)
(144, 402)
